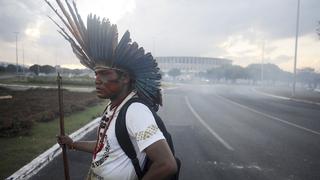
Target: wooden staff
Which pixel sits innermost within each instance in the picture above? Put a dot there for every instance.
(64, 149)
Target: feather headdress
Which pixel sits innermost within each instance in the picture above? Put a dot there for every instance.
(96, 45)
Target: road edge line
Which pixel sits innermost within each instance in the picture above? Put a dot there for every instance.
(223, 142)
(270, 116)
(286, 98)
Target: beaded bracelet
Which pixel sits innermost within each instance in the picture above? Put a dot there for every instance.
(72, 146)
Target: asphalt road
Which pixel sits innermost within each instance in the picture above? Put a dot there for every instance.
(230, 132)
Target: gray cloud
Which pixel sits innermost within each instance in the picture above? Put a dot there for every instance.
(282, 59)
(180, 27)
(191, 27)
(15, 15)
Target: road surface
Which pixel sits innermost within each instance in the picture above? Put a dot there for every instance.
(230, 132)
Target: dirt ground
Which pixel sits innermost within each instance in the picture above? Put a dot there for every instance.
(18, 113)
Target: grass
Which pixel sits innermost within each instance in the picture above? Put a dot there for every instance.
(49, 80)
(18, 151)
(52, 81)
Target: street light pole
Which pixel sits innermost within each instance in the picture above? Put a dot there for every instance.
(262, 62)
(22, 58)
(16, 51)
(154, 46)
(295, 52)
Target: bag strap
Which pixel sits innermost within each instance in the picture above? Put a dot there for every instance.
(124, 138)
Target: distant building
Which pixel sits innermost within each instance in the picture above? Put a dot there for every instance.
(190, 64)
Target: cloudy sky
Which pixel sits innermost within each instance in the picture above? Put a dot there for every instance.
(232, 29)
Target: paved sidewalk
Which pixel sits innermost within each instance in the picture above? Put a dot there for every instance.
(301, 95)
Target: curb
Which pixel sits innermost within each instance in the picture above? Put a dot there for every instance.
(43, 159)
(286, 98)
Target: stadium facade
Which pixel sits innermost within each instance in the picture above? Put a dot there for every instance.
(189, 64)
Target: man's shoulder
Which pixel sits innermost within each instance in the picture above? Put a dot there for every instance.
(137, 107)
(138, 111)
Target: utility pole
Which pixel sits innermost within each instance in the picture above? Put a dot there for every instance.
(295, 52)
(23, 59)
(56, 60)
(154, 46)
(38, 67)
(262, 62)
(17, 33)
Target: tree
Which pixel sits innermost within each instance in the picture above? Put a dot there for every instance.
(307, 76)
(229, 72)
(254, 72)
(35, 69)
(234, 72)
(77, 71)
(272, 72)
(215, 73)
(11, 68)
(2, 69)
(174, 72)
(47, 69)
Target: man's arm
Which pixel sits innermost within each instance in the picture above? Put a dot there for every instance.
(163, 163)
(86, 146)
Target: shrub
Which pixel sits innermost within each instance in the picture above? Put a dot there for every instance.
(46, 116)
(75, 107)
(92, 102)
(38, 105)
(15, 126)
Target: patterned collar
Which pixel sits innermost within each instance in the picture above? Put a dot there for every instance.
(109, 110)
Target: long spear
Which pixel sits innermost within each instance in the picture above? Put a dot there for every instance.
(64, 149)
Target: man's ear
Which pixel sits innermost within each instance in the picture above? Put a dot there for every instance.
(125, 78)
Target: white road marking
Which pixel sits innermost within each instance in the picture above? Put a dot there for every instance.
(225, 144)
(266, 94)
(286, 98)
(6, 97)
(271, 117)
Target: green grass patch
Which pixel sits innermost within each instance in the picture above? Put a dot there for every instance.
(15, 152)
(49, 80)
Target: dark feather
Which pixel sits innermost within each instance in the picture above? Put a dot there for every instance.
(97, 45)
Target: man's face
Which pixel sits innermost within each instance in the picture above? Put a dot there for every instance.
(108, 83)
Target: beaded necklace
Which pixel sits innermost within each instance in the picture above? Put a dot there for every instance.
(104, 125)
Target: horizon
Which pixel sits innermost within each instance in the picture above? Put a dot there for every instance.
(81, 67)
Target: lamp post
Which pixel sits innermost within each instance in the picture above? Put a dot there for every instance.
(23, 59)
(262, 62)
(295, 52)
(16, 51)
(154, 46)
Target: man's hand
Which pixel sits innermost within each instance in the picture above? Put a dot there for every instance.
(86, 146)
(65, 140)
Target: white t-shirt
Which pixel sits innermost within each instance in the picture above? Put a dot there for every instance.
(111, 163)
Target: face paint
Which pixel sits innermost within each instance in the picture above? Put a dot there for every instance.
(107, 76)
(106, 79)
(108, 83)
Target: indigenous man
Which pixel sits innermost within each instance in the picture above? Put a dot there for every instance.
(123, 71)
